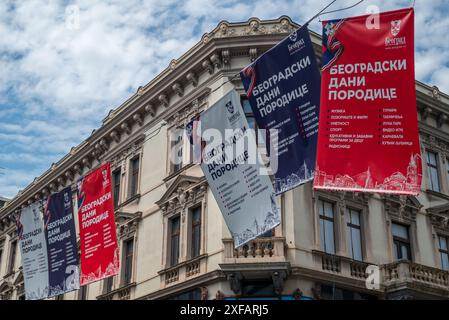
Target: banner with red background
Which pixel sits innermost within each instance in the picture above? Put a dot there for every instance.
(98, 240)
(368, 127)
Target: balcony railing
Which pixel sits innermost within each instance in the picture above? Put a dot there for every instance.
(404, 272)
(392, 275)
(340, 265)
(183, 271)
(270, 249)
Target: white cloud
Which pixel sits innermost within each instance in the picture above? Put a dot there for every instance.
(56, 84)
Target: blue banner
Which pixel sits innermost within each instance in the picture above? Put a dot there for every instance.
(283, 88)
(59, 227)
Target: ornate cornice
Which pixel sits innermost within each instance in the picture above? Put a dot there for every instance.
(184, 191)
(402, 208)
(127, 223)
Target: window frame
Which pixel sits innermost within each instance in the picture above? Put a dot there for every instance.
(134, 172)
(108, 285)
(82, 293)
(192, 227)
(349, 225)
(333, 220)
(128, 261)
(443, 251)
(402, 242)
(431, 167)
(250, 115)
(116, 176)
(12, 256)
(171, 260)
(177, 143)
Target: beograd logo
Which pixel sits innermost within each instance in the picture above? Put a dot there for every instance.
(293, 36)
(395, 27)
(66, 200)
(232, 114)
(297, 44)
(105, 178)
(230, 107)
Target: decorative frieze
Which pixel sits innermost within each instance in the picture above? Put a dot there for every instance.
(68, 175)
(192, 78)
(150, 110)
(184, 192)
(178, 89)
(208, 66)
(138, 118)
(77, 168)
(215, 59)
(86, 162)
(163, 99)
(254, 27)
(403, 208)
(253, 54)
(226, 58)
(441, 119)
(115, 136)
(124, 126)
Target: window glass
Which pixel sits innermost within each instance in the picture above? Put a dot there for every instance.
(400, 231)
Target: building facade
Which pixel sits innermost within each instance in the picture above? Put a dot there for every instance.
(172, 238)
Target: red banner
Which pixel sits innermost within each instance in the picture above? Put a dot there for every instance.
(368, 127)
(99, 251)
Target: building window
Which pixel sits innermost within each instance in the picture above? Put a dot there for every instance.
(432, 171)
(82, 293)
(134, 176)
(444, 252)
(128, 251)
(260, 139)
(116, 175)
(174, 240)
(12, 256)
(176, 156)
(401, 242)
(447, 169)
(327, 226)
(108, 282)
(196, 232)
(354, 234)
(1, 253)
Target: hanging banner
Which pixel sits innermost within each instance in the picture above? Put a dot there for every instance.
(98, 241)
(283, 88)
(60, 235)
(368, 138)
(34, 252)
(245, 197)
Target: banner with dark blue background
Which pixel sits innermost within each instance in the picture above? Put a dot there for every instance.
(283, 88)
(59, 226)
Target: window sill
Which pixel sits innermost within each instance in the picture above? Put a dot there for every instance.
(127, 201)
(183, 263)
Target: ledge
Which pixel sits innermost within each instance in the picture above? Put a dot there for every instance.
(127, 201)
(181, 264)
(110, 295)
(437, 194)
(174, 174)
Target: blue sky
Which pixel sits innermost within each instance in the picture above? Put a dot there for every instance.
(57, 83)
